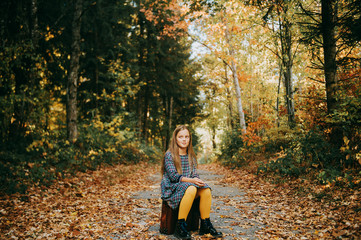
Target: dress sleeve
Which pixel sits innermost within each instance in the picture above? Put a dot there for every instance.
(170, 169)
(194, 171)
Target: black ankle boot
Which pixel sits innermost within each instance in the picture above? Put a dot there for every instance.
(181, 230)
(207, 227)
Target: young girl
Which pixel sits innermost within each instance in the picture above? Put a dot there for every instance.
(181, 184)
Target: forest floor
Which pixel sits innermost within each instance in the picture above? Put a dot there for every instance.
(123, 202)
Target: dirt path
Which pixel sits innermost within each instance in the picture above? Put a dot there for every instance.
(228, 209)
(123, 202)
(247, 207)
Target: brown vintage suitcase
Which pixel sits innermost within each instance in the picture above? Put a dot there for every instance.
(169, 218)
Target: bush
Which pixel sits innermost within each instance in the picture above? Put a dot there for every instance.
(291, 163)
(8, 178)
(305, 153)
(277, 139)
(347, 118)
(50, 156)
(316, 150)
(232, 149)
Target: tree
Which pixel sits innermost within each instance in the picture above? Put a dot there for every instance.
(108, 53)
(73, 76)
(226, 53)
(328, 30)
(162, 70)
(280, 17)
(237, 89)
(21, 63)
(352, 21)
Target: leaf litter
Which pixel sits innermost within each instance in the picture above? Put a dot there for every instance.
(100, 205)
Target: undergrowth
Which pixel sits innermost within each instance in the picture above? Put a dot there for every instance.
(290, 154)
(49, 157)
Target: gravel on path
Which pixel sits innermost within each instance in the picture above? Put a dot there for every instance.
(232, 212)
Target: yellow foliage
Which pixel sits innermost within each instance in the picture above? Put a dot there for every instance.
(110, 149)
(92, 152)
(358, 157)
(49, 36)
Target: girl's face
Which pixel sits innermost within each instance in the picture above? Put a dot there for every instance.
(183, 139)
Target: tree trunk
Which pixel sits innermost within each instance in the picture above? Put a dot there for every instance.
(242, 121)
(214, 144)
(35, 26)
(237, 89)
(329, 51)
(145, 114)
(251, 105)
(328, 29)
(229, 99)
(278, 94)
(139, 113)
(287, 61)
(142, 98)
(96, 73)
(72, 112)
(170, 115)
(165, 126)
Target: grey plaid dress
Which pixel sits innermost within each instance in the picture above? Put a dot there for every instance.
(172, 188)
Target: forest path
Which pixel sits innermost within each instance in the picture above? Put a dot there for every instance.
(248, 207)
(231, 209)
(123, 202)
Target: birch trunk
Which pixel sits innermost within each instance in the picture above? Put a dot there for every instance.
(229, 100)
(237, 88)
(214, 144)
(72, 85)
(278, 94)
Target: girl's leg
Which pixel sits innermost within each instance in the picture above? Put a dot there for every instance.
(186, 202)
(184, 208)
(205, 202)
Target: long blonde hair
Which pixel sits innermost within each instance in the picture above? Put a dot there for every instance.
(174, 150)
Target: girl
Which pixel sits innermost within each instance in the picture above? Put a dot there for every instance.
(181, 184)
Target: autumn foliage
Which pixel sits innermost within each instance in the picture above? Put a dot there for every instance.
(168, 16)
(90, 205)
(251, 76)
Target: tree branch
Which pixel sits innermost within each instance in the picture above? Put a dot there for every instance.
(205, 45)
(315, 80)
(308, 13)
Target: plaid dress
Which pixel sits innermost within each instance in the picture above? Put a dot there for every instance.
(171, 186)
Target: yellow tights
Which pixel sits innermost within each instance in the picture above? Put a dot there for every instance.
(190, 194)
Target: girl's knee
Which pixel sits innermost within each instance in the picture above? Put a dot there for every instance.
(206, 192)
(192, 190)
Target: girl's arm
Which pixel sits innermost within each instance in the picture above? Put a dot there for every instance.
(197, 181)
(194, 173)
(170, 169)
(194, 178)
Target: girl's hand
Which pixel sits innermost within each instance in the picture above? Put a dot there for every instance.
(198, 182)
